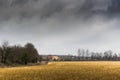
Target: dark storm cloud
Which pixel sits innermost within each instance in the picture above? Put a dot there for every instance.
(54, 15)
(27, 9)
(57, 22)
(22, 11)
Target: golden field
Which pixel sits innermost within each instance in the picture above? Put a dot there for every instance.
(64, 71)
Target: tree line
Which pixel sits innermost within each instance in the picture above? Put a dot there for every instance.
(98, 56)
(17, 54)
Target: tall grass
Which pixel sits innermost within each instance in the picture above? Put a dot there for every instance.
(64, 71)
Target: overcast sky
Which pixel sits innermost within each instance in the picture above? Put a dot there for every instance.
(61, 26)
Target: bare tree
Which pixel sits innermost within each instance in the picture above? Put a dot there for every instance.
(79, 53)
(87, 54)
(5, 51)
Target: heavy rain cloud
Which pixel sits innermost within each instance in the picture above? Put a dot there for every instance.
(61, 26)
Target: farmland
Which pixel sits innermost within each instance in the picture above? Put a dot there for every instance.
(64, 71)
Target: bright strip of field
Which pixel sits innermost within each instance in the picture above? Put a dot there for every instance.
(64, 71)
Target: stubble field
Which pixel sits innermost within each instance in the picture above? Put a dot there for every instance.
(64, 71)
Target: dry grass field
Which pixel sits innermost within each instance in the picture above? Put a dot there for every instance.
(64, 71)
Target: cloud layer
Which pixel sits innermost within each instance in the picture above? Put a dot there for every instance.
(61, 26)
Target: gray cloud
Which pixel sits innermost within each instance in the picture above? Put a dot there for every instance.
(60, 23)
(21, 9)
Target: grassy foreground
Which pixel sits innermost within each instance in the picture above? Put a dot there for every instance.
(64, 71)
